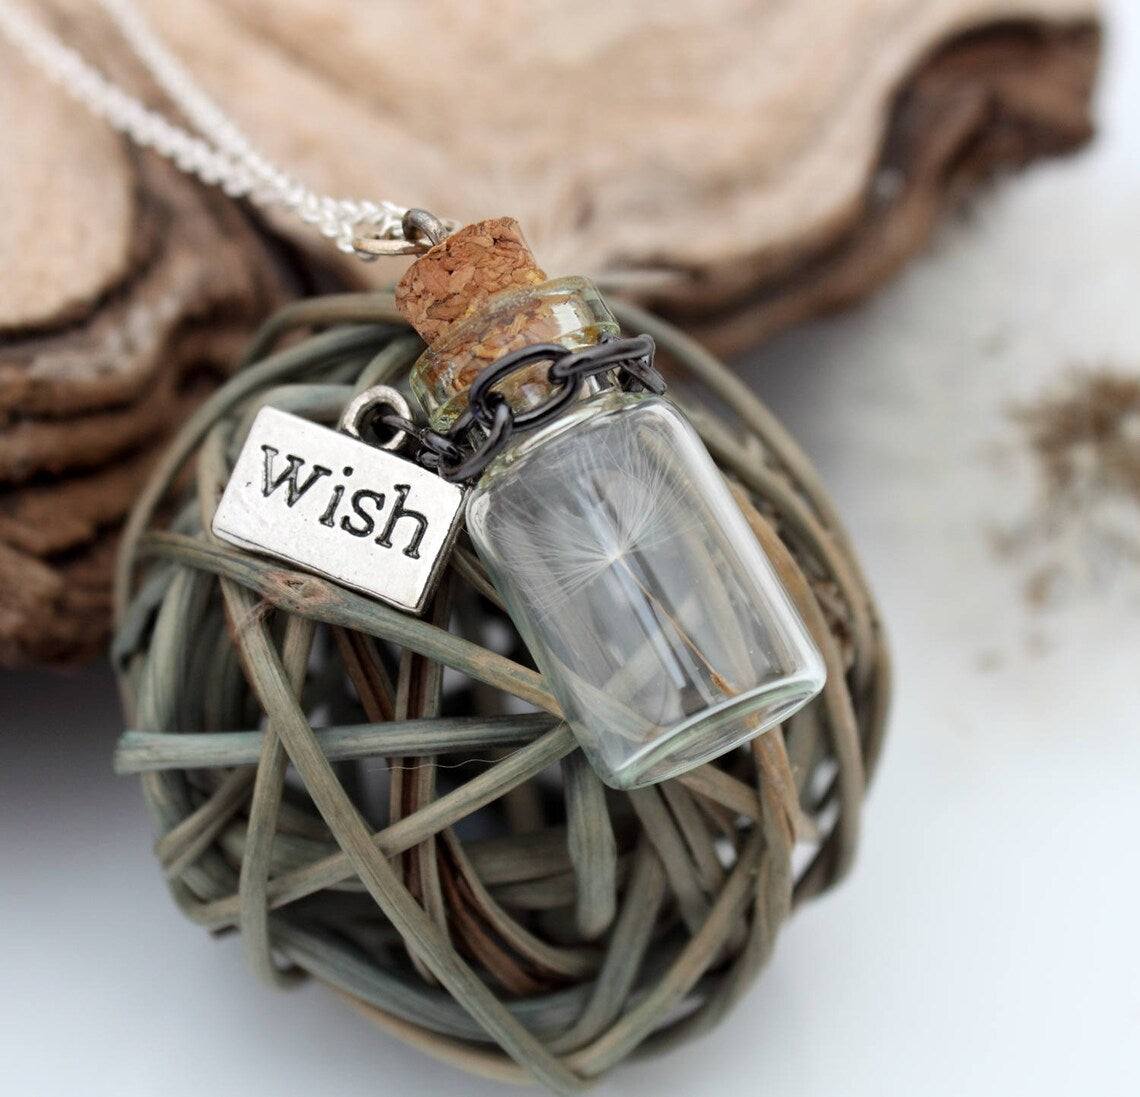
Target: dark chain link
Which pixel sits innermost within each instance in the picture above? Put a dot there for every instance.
(450, 456)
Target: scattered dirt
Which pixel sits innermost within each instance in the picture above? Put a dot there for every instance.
(1084, 531)
(1087, 436)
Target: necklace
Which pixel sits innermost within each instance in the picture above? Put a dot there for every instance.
(659, 624)
(219, 153)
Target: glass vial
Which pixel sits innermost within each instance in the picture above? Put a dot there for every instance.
(626, 564)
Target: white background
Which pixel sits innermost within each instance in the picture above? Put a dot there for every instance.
(987, 942)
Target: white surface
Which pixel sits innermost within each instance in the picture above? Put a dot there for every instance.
(987, 942)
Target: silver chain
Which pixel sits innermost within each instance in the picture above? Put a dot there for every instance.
(219, 153)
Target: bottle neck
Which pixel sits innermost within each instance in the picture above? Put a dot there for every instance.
(568, 312)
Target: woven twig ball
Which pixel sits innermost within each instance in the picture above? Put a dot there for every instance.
(393, 806)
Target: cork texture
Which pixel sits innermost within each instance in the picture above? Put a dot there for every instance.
(450, 282)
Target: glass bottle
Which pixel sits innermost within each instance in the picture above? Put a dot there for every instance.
(654, 616)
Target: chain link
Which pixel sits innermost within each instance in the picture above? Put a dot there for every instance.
(219, 153)
(489, 422)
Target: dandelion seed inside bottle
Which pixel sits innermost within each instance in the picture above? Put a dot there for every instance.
(623, 559)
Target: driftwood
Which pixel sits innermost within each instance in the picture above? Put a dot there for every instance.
(768, 160)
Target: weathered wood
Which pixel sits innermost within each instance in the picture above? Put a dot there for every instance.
(763, 161)
(127, 292)
(989, 101)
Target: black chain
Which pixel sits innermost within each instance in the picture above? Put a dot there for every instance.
(491, 411)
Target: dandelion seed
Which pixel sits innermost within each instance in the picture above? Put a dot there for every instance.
(624, 504)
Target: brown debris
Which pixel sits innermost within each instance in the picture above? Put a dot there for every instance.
(1087, 438)
(1085, 528)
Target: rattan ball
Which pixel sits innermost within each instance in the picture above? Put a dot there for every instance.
(391, 804)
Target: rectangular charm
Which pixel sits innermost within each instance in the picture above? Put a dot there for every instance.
(331, 504)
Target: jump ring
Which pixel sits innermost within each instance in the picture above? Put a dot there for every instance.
(365, 407)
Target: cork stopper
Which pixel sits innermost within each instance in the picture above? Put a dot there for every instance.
(456, 277)
(477, 296)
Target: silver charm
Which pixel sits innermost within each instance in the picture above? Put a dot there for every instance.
(332, 503)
